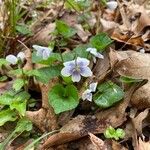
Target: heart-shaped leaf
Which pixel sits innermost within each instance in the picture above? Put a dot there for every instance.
(63, 98)
(108, 94)
(100, 41)
(64, 29)
(45, 74)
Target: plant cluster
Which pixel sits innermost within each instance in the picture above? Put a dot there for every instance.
(71, 68)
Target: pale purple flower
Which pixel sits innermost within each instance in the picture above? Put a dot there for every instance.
(43, 52)
(21, 56)
(14, 60)
(93, 86)
(112, 5)
(87, 94)
(94, 53)
(77, 68)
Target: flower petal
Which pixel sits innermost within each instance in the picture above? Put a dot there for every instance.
(86, 72)
(87, 95)
(42, 51)
(82, 62)
(11, 59)
(99, 55)
(46, 54)
(94, 59)
(112, 5)
(93, 86)
(76, 77)
(39, 53)
(66, 71)
(69, 64)
(21, 56)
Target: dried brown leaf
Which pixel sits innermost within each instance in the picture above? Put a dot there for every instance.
(138, 121)
(97, 142)
(136, 65)
(143, 145)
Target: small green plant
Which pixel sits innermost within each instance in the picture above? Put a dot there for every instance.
(112, 133)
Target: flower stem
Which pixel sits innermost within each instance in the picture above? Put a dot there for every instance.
(23, 77)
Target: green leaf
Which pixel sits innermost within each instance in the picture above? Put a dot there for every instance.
(80, 51)
(6, 99)
(72, 4)
(16, 72)
(19, 102)
(3, 62)
(108, 94)
(23, 125)
(120, 133)
(23, 29)
(18, 84)
(109, 132)
(68, 56)
(45, 74)
(7, 115)
(20, 106)
(127, 79)
(63, 98)
(104, 2)
(3, 78)
(53, 57)
(100, 41)
(64, 29)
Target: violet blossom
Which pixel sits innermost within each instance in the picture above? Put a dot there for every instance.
(87, 94)
(77, 68)
(12, 59)
(42, 51)
(95, 54)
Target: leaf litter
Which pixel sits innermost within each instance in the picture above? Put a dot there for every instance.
(128, 26)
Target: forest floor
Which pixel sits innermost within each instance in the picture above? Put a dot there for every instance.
(74, 75)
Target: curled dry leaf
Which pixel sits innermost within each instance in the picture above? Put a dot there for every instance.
(143, 20)
(102, 68)
(81, 33)
(117, 146)
(135, 41)
(43, 36)
(108, 25)
(143, 145)
(138, 121)
(45, 118)
(136, 65)
(97, 142)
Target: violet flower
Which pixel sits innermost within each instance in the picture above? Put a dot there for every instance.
(87, 94)
(43, 52)
(112, 5)
(95, 54)
(14, 59)
(77, 68)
